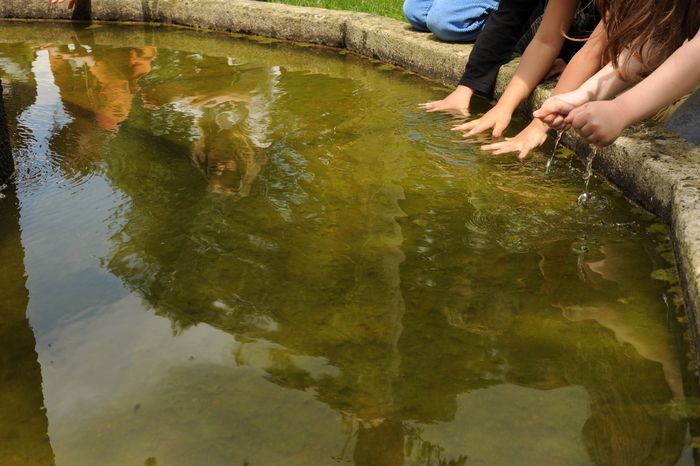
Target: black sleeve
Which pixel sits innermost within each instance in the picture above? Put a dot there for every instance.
(496, 43)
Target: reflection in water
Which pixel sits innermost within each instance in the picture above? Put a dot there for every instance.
(7, 165)
(231, 121)
(97, 86)
(23, 424)
(367, 293)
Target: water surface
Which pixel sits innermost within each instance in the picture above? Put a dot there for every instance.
(225, 251)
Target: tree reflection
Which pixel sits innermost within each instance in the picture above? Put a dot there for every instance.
(7, 165)
(386, 302)
(351, 283)
(23, 424)
(229, 118)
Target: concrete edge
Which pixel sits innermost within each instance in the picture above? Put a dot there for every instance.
(651, 165)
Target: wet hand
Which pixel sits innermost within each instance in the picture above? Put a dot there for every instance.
(533, 136)
(555, 109)
(599, 123)
(496, 118)
(71, 3)
(457, 102)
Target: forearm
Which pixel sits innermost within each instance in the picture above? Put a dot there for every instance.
(540, 54)
(584, 64)
(535, 63)
(605, 84)
(677, 76)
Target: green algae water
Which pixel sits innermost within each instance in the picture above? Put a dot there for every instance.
(226, 251)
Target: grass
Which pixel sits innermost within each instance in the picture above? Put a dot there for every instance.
(390, 8)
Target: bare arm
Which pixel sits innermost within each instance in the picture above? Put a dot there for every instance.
(605, 84)
(600, 123)
(677, 76)
(581, 67)
(535, 63)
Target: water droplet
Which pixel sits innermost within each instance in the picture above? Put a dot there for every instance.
(585, 196)
(554, 151)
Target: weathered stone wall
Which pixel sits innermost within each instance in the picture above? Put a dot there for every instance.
(6, 161)
(652, 165)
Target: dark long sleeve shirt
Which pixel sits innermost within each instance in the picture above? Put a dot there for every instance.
(497, 42)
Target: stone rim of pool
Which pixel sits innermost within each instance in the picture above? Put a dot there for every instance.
(650, 164)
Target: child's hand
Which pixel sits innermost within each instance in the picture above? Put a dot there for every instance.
(70, 3)
(496, 118)
(457, 102)
(555, 109)
(599, 123)
(533, 136)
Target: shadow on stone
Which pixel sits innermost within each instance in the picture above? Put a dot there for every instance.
(82, 11)
(684, 121)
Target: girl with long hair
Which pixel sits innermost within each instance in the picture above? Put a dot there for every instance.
(653, 49)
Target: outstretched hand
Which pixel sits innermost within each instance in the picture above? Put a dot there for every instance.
(457, 102)
(71, 3)
(532, 137)
(599, 123)
(496, 118)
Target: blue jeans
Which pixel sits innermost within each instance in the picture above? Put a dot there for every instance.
(449, 20)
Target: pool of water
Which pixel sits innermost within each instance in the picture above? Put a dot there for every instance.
(227, 251)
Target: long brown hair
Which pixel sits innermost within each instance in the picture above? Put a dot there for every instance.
(650, 30)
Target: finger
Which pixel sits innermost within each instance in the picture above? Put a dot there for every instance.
(499, 148)
(579, 121)
(465, 126)
(558, 122)
(577, 115)
(498, 128)
(523, 153)
(475, 130)
(476, 140)
(547, 108)
(506, 150)
(553, 119)
(547, 119)
(70, 4)
(586, 131)
(493, 146)
(478, 128)
(543, 111)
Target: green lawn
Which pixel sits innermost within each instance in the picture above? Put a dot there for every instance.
(391, 8)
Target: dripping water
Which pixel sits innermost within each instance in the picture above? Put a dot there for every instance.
(554, 151)
(584, 197)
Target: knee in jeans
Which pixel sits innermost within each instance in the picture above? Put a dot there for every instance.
(442, 29)
(415, 13)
